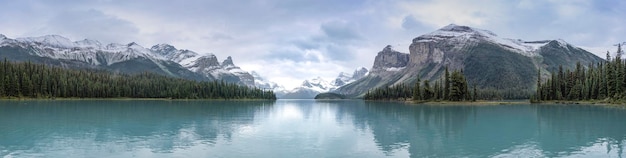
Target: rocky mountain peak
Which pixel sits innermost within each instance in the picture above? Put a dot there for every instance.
(51, 40)
(360, 73)
(456, 28)
(163, 48)
(88, 43)
(388, 48)
(389, 58)
(318, 84)
(228, 62)
(458, 32)
(2, 36)
(132, 44)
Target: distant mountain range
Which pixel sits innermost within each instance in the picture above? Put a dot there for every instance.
(125, 58)
(311, 87)
(494, 64)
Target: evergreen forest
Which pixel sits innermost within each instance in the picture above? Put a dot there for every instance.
(451, 87)
(604, 81)
(28, 80)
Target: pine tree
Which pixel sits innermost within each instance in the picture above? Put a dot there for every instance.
(539, 94)
(428, 91)
(417, 95)
(446, 88)
(475, 93)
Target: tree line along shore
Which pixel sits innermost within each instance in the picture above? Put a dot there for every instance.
(37, 81)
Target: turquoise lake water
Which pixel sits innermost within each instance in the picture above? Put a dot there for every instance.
(306, 128)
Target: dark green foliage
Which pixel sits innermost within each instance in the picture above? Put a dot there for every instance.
(499, 71)
(330, 96)
(417, 90)
(446, 89)
(428, 91)
(602, 81)
(554, 56)
(458, 87)
(456, 84)
(396, 92)
(474, 94)
(135, 66)
(39, 81)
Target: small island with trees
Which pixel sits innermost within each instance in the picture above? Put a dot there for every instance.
(452, 87)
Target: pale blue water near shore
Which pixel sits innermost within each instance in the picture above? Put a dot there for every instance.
(306, 128)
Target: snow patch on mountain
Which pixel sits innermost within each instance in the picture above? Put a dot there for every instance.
(309, 88)
(458, 33)
(395, 68)
(51, 40)
(95, 53)
(262, 83)
(318, 84)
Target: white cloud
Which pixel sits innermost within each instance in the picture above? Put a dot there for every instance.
(571, 8)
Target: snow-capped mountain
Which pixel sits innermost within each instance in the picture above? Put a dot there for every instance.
(262, 83)
(89, 51)
(501, 65)
(128, 58)
(310, 88)
(345, 78)
(207, 65)
(465, 34)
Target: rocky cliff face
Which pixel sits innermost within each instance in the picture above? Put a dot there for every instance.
(489, 61)
(389, 60)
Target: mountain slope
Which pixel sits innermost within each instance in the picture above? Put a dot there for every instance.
(310, 88)
(129, 58)
(500, 65)
(206, 65)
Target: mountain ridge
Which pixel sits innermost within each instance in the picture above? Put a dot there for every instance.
(312, 87)
(493, 63)
(162, 59)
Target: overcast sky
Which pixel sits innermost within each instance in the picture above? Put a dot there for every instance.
(288, 41)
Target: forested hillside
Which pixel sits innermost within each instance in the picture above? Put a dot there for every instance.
(28, 80)
(602, 81)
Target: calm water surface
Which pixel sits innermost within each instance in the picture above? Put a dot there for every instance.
(306, 128)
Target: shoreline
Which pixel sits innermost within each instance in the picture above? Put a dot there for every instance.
(463, 103)
(471, 103)
(125, 99)
(507, 102)
(584, 102)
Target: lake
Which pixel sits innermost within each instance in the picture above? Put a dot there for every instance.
(305, 128)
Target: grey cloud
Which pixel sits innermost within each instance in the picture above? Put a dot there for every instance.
(92, 24)
(285, 54)
(306, 44)
(410, 23)
(220, 37)
(339, 52)
(338, 30)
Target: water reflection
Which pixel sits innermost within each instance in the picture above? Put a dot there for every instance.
(495, 131)
(424, 130)
(566, 130)
(160, 126)
(305, 128)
